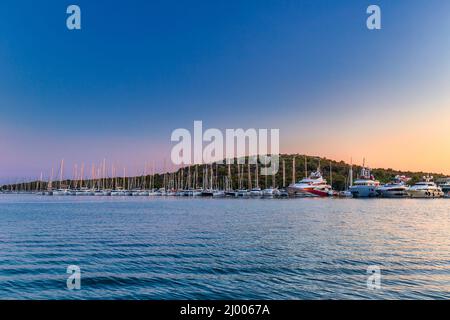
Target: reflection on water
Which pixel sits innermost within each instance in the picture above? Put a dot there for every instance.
(144, 248)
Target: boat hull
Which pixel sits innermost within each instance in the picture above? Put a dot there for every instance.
(423, 194)
(307, 192)
(363, 191)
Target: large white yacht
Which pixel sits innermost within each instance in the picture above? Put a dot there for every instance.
(313, 186)
(425, 189)
(395, 189)
(365, 186)
(118, 192)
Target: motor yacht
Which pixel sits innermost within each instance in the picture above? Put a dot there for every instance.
(218, 194)
(61, 192)
(395, 189)
(313, 186)
(446, 189)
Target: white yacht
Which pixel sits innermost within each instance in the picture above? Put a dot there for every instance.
(231, 193)
(393, 190)
(345, 194)
(154, 192)
(313, 186)
(365, 186)
(218, 194)
(84, 192)
(171, 193)
(61, 192)
(99, 193)
(425, 189)
(136, 192)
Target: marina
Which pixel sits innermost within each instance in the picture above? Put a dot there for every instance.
(233, 181)
(227, 155)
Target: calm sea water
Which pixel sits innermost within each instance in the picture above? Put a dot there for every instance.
(143, 248)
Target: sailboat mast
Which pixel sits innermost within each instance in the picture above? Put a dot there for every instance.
(306, 167)
(249, 176)
(350, 173)
(293, 170)
(331, 176)
(256, 175)
(50, 182)
(124, 174)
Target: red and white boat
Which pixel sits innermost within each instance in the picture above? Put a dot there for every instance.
(313, 186)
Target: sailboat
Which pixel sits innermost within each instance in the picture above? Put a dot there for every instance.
(61, 191)
(256, 191)
(348, 183)
(425, 189)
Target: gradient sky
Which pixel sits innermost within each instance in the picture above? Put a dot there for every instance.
(139, 69)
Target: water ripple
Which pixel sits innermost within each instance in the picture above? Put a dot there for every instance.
(135, 248)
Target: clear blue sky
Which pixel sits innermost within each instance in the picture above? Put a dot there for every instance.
(139, 69)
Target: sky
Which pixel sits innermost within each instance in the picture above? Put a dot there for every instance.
(137, 70)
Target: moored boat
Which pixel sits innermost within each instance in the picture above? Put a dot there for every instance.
(218, 194)
(365, 186)
(313, 186)
(425, 189)
(117, 192)
(243, 193)
(395, 189)
(446, 189)
(270, 192)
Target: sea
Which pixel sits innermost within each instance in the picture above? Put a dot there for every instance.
(195, 248)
